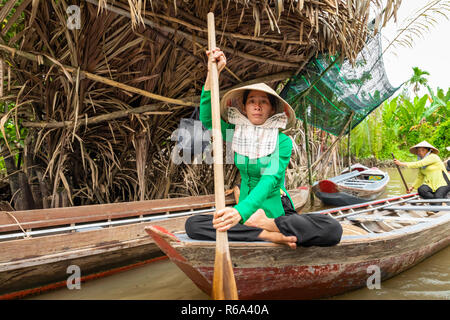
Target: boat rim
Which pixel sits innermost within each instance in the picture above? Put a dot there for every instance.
(183, 240)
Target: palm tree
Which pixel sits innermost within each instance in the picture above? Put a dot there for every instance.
(418, 79)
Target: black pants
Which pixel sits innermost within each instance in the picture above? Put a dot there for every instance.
(310, 229)
(427, 193)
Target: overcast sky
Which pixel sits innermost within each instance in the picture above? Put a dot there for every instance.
(430, 53)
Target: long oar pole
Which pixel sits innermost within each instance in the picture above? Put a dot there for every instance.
(401, 175)
(224, 284)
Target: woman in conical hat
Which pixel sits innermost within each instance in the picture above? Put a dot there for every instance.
(252, 119)
(433, 180)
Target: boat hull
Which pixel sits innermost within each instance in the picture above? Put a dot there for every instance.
(36, 264)
(93, 252)
(351, 188)
(269, 271)
(343, 198)
(52, 275)
(319, 281)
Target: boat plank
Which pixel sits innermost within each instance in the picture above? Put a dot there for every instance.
(367, 247)
(371, 227)
(384, 218)
(31, 219)
(419, 208)
(15, 250)
(430, 200)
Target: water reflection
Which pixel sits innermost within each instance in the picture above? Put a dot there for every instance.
(162, 280)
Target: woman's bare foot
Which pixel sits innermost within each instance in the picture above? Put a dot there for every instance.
(277, 237)
(260, 220)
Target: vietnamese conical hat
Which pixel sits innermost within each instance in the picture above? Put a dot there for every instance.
(234, 98)
(423, 144)
(448, 148)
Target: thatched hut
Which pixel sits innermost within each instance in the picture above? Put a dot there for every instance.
(93, 92)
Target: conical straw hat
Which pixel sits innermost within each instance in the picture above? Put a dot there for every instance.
(448, 148)
(234, 97)
(423, 144)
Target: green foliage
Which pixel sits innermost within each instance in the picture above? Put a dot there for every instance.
(17, 26)
(359, 140)
(366, 138)
(11, 136)
(441, 138)
(439, 109)
(410, 113)
(390, 127)
(423, 131)
(402, 122)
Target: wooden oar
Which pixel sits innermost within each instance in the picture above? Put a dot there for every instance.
(224, 284)
(401, 175)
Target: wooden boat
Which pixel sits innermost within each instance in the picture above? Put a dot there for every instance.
(389, 235)
(37, 246)
(358, 185)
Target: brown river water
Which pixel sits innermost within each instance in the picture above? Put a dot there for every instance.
(162, 280)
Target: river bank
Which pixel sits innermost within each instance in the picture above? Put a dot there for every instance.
(374, 162)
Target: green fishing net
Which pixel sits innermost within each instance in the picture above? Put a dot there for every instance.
(345, 89)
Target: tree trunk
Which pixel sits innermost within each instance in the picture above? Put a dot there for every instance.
(18, 183)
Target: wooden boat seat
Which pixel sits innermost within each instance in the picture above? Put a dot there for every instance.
(356, 183)
(411, 213)
(419, 208)
(385, 218)
(429, 200)
(438, 214)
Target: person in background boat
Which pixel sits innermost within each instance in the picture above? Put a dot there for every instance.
(254, 116)
(433, 180)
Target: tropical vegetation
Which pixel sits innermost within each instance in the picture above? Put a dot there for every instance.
(404, 121)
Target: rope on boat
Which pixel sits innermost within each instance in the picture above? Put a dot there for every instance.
(26, 235)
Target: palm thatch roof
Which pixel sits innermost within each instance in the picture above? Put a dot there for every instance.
(95, 106)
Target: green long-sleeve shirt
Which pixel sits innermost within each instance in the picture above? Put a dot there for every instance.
(262, 178)
(431, 175)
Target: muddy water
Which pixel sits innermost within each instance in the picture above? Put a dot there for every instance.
(163, 280)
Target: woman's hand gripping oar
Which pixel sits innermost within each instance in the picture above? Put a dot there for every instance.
(224, 284)
(401, 175)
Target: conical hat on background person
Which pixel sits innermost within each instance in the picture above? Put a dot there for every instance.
(423, 144)
(234, 98)
(448, 148)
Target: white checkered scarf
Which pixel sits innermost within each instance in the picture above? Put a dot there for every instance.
(255, 141)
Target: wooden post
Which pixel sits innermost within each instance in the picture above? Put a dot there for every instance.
(349, 150)
(308, 159)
